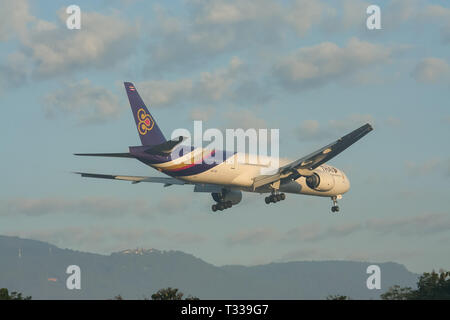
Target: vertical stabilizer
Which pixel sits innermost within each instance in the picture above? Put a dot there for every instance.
(148, 130)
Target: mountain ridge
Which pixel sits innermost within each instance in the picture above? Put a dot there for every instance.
(38, 268)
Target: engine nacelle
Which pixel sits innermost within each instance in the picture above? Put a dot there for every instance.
(320, 181)
(228, 195)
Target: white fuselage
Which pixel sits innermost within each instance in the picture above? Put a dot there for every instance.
(240, 175)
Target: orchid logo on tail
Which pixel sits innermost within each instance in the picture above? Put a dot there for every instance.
(146, 122)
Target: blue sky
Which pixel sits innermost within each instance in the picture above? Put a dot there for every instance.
(309, 68)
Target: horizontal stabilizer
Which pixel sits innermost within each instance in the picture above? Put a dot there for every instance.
(114, 155)
(165, 147)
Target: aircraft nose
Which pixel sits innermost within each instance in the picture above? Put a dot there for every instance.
(346, 183)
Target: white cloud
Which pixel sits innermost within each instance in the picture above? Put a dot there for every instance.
(101, 42)
(173, 205)
(393, 122)
(101, 206)
(14, 17)
(302, 15)
(251, 237)
(84, 101)
(165, 93)
(347, 15)
(323, 63)
(93, 206)
(244, 118)
(202, 114)
(311, 232)
(400, 11)
(351, 122)
(438, 15)
(311, 130)
(15, 71)
(102, 239)
(314, 232)
(206, 88)
(431, 70)
(179, 238)
(231, 12)
(429, 223)
(51, 49)
(430, 166)
(217, 27)
(305, 254)
(419, 13)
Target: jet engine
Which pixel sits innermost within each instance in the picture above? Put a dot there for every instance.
(227, 195)
(320, 181)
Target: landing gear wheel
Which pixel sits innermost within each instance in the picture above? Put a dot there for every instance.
(221, 206)
(273, 198)
(335, 208)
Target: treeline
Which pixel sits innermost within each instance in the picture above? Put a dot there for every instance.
(165, 294)
(5, 295)
(431, 286)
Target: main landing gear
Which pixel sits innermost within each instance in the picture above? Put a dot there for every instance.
(221, 206)
(275, 197)
(335, 207)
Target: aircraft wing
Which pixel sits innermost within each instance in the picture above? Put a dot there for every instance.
(134, 179)
(303, 166)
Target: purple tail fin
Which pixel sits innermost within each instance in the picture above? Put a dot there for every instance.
(148, 130)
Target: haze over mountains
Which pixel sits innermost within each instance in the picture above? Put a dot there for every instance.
(38, 269)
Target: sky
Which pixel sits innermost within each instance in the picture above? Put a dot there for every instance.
(309, 68)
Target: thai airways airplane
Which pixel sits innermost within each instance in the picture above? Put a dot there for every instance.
(227, 179)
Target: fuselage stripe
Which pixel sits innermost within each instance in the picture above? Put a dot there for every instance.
(192, 162)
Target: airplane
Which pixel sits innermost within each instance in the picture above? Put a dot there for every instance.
(226, 180)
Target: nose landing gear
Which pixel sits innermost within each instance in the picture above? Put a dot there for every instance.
(335, 207)
(275, 197)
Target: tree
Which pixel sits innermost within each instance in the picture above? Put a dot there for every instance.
(337, 297)
(397, 293)
(4, 295)
(431, 286)
(167, 294)
(170, 294)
